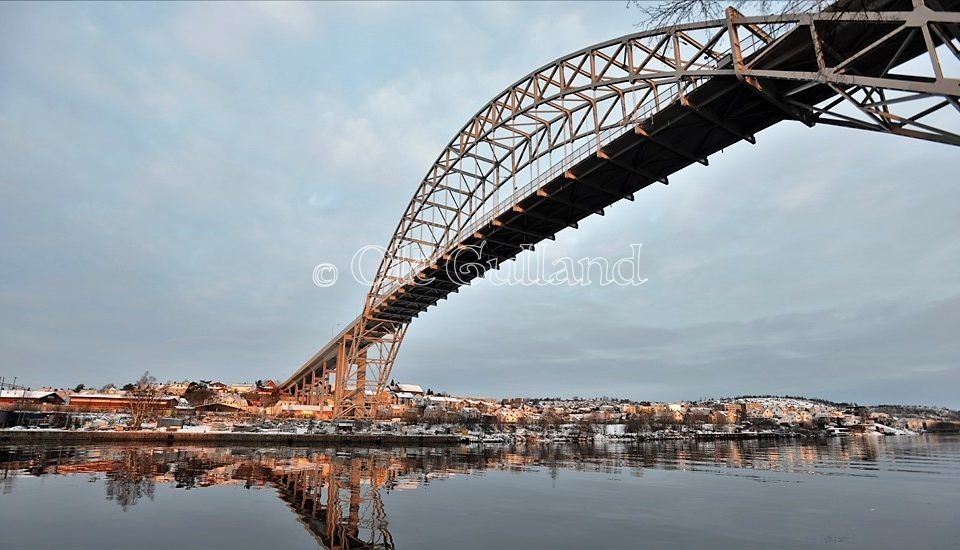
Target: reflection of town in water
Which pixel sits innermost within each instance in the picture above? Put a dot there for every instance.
(338, 494)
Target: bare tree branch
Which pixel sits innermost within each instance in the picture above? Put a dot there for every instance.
(142, 398)
(666, 13)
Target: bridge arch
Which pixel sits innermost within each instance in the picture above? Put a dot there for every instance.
(599, 124)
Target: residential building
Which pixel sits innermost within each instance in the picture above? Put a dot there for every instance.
(28, 397)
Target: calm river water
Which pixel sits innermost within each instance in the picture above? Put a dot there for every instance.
(857, 492)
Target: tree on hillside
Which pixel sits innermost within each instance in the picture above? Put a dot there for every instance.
(197, 393)
(639, 422)
(142, 397)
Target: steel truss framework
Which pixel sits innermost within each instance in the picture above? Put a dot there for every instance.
(878, 65)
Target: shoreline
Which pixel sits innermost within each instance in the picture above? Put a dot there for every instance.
(256, 439)
(222, 438)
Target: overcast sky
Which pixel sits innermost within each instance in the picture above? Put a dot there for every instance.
(171, 173)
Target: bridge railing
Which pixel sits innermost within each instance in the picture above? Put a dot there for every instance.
(666, 89)
(530, 188)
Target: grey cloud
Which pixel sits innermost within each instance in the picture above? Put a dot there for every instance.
(884, 351)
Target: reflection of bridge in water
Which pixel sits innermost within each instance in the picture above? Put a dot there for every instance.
(340, 502)
(350, 498)
(342, 497)
(598, 125)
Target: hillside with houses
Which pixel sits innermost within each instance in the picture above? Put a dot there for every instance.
(211, 403)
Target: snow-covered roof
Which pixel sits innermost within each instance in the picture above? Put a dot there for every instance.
(440, 399)
(404, 395)
(117, 396)
(100, 396)
(24, 394)
(412, 388)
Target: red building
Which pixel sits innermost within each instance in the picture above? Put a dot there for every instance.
(117, 402)
(27, 397)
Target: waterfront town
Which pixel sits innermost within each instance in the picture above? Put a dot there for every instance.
(408, 409)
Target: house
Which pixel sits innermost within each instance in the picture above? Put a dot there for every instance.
(234, 400)
(267, 387)
(700, 414)
(761, 412)
(414, 389)
(601, 416)
(510, 416)
(788, 418)
(406, 393)
(828, 416)
(660, 408)
(28, 397)
(175, 388)
(118, 402)
(393, 410)
(183, 408)
(448, 403)
(675, 417)
(719, 418)
(735, 411)
(403, 397)
(242, 387)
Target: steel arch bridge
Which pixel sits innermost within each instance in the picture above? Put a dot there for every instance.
(602, 123)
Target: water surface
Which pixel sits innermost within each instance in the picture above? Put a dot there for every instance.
(857, 492)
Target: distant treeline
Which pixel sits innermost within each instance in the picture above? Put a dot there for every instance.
(893, 410)
(574, 398)
(838, 404)
(918, 410)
